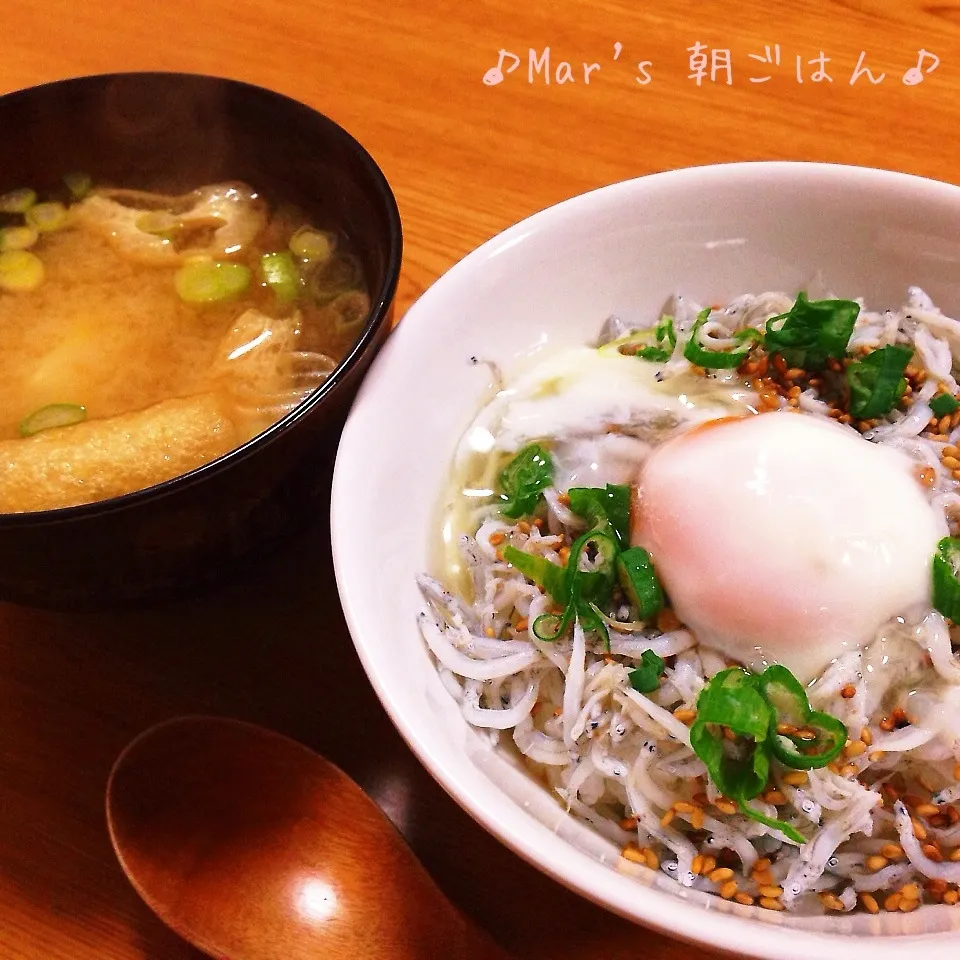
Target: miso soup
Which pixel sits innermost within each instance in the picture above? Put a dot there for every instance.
(145, 335)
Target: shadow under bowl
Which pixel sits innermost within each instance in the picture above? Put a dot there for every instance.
(173, 132)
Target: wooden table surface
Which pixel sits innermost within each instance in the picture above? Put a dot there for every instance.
(466, 158)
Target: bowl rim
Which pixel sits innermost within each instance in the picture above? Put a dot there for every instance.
(379, 310)
(658, 909)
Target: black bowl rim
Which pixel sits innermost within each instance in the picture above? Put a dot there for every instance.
(379, 310)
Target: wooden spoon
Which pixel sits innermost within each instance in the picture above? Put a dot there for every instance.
(252, 847)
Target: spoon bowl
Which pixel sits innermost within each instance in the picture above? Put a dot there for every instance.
(252, 847)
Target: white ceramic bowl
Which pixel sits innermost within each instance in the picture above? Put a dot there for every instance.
(712, 232)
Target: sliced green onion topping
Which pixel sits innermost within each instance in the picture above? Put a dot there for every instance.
(812, 331)
(209, 281)
(876, 381)
(279, 272)
(941, 405)
(600, 506)
(20, 271)
(327, 280)
(79, 184)
(311, 244)
(158, 223)
(791, 709)
(53, 415)
(946, 578)
(646, 677)
(696, 353)
(548, 576)
(17, 238)
(46, 217)
(753, 707)
(666, 339)
(731, 700)
(18, 201)
(639, 581)
(524, 479)
(582, 589)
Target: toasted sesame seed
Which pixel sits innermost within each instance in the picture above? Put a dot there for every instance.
(628, 823)
(933, 853)
(919, 831)
(653, 861)
(954, 855)
(951, 451)
(910, 891)
(725, 805)
(848, 771)
(937, 885)
(489, 631)
(521, 625)
(709, 865)
(697, 864)
(728, 889)
(633, 853)
(855, 748)
(951, 463)
(951, 897)
(720, 875)
(892, 851)
(866, 736)
(682, 806)
(848, 692)
(786, 729)
(762, 864)
(696, 818)
(685, 715)
(775, 797)
(944, 425)
(771, 903)
(875, 755)
(927, 810)
(876, 862)
(869, 903)
(892, 902)
(795, 778)
(886, 724)
(804, 733)
(830, 902)
(907, 905)
(769, 891)
(743, 898)
(667, 818)
(497, 538)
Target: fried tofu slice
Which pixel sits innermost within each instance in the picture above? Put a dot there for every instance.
(99, 459)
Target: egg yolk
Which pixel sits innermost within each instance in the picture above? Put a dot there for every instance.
(784, 538)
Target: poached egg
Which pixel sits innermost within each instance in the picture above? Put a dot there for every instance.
(785, 538)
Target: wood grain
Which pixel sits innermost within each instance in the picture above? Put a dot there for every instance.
(465, 160)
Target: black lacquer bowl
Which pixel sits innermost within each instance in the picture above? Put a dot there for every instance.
(171, 132)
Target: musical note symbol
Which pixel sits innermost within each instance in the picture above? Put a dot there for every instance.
(914, 75)
(495, 74)
(618, 46)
